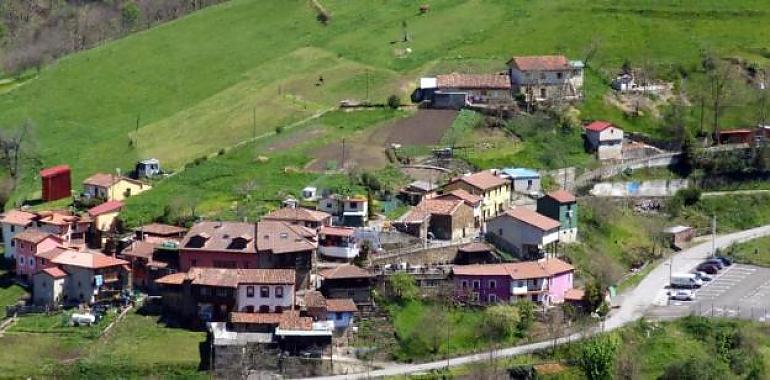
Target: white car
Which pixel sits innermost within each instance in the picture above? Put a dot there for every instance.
(703, 276)
(682, 295)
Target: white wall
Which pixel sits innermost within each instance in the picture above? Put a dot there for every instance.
(10, 251)
(519, 233)
(243, 301)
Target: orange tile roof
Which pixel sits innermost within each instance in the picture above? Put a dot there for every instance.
(337, 231)
(282, 237)
(52, 253)
(231, 278)
(474, 81)
(345, 271)
(58, 217)
(55, 272)
(288, 320)
(532, 218)
(598, 126)
(541, 63)
(574, 294)
(298, 214)
(106, 207)
(18, 217)
(440, 206)
(101, 180)
(172, 279)
(87, 259)
(140, 249)
(341, 305)
(162, 229)
(315, 299)
(415, 215)
(470, 199)
(483, 180)
(562, 196)
(517, 271)
(34, 236)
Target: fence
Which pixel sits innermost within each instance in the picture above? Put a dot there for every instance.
(710, 309)
(19, 310)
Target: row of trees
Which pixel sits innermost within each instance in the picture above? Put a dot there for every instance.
(33, 32)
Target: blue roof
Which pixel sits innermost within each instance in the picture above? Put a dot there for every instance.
(521, 173)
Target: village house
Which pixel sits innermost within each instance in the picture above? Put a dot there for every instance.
(103, 216)
(288, 332)
(414, 222)
(160, 233)
(148, 168)
(346, 211)
(524, 233)
(211, 294)
(71, 228)
(547, 78)
(494, 191)
(112, 187)
(148, 262)
(348, 281)
(341, 312)
(475, 202)
(475, 253)
(605, 139)
(301, 216)
(523, 181)
(338, 242)
(28, 244)
(80, 277)
(561, 205)
(266, 245)
(450, 219)
(55, 183)
(413, 193)
(735, 136)
(14, 222)
(544, 281)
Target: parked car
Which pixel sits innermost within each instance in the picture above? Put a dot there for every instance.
(703, 276)
(725, 260)
(682, 295)
(716, 263)
(685, 280)
(708, 268)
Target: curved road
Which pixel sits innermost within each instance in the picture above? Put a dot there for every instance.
(633, 305)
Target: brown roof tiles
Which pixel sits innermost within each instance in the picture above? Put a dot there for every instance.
(18, 218)
(541, 63)
(474, 81)
(297, 214)
(282, 237)
(562, 196)
(470, 199)
(345, 271)
(34, 236)
(517, 271)
(162, 229)
(340, 305)
(483, 180)
(231, 278)
(87, 259)
(440, 206)
(532, 218)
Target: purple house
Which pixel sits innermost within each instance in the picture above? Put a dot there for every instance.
(543, 281)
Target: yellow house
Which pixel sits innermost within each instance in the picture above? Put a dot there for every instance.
(495, 191)
(103, 217)
(112, 187)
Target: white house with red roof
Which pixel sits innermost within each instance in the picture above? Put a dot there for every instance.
(338, 242)
(14, 222)
(546, 77)
(524, 233)
(605, 139)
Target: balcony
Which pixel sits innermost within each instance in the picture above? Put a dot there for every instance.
(339, 252)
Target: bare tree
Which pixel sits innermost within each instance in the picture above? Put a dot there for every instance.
(16, 145)
(591, 49)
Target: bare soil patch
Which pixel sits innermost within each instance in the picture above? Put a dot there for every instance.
(426, 127)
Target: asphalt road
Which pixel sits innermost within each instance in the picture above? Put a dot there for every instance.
(633, 305)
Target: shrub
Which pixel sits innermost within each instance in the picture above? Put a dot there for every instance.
(501, 320)
(695, 369)
(404, 287)
(279, 129)
(597, 358)
(394, 101)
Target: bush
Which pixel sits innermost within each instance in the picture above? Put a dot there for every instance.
(597, 358)
(279, 129)
(501, 320)
(695, 369)
(394, 102)
(404, 287)
(526, 315)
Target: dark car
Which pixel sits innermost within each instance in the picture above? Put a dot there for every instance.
(725, 260)
(708, 268)
(716, 263)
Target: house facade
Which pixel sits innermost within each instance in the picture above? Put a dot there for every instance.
(605, 139)
(301, 216)
(14, 222)
(341, 312)
(112, 187)
(28, 244)
(450, 219)
(524, 233)
(478, 88)
(548, 78)
(348, 281)
(523, 181)
(338, 243)
(475, 202)
(562, 206)
(346, 211)
(71, 228)
(544, 281)
(494, 191)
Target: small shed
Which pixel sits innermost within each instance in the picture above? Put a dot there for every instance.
(310, 193)
(678, 236)
(148, 168)
(475, 253)
(56, 183)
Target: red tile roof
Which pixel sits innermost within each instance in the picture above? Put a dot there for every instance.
(598, 126)
(106, 207)
(517, 271)
(141, 249)
(474, 81)
(541, 63)
(440, 206)
(470, 199)
(18, 217)
(562, 196)
(475, 248)
(341, 305)
(297, 214)
(219, 236)
(483, 180)
(315, 299)
(345, 271)
(282, 237)
(231, 278)
(574, 294)
(54, 170)
(288, 320)
(55, 272)
(51, 253)
(172, 279)
(337, 231)
(415, 215)
(34, 236)
(533, 218)
(162, 229)
(87, 259)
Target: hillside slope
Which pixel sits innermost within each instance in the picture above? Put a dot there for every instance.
(242, 68)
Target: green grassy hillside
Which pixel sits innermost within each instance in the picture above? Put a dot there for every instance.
(231, 72)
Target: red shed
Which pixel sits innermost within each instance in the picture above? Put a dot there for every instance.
(56, 182)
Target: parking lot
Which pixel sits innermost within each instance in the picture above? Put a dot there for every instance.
(738, 291)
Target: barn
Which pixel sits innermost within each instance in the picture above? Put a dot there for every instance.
(56, 182)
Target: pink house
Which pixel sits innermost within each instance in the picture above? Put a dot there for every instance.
(543, 281)
(28, 244)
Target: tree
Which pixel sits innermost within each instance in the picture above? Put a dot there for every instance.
(594, 295)
(130, 14)
(597, 358)
(526, 310)
(404, 287)
(591, 49)
(501, 321)
(16, 145)
(363, 253)
(695, 368)
(394, 102)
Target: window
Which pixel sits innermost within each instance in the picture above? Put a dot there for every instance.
(492, 298)
(250, 291)
(529, 184)
(464, 284)
(279, 309)
(21, 261)
(328, 205)
(521, 283)
(222, 292)
(264, 291)
(353, 205)
(559, 75)
(476, 284)
(42, 261)
(204, 291)
(31, 262)
(13, 228)
(264, 309)
(534, 298)
(279, 292)
(13, 243)
(542, 76)
(500, 231)
(492, 284)
(543, 93)
(338, 316)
